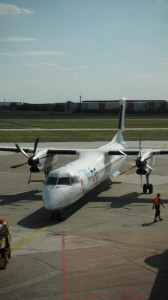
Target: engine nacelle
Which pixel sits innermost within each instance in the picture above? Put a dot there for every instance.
(141, 171)
(35, 170)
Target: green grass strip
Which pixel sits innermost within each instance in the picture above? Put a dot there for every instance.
(77, 136)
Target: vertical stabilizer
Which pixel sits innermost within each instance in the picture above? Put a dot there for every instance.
(119, 136)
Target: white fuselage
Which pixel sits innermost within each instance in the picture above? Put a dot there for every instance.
(69, 183)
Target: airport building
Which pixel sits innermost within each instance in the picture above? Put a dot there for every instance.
(138, 106)
(132, 106)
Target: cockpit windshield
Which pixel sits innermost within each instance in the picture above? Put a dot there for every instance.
(64, 181)
(52, 180)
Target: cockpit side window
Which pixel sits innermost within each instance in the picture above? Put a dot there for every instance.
(64, 181)
(51, 180)
(74, 180)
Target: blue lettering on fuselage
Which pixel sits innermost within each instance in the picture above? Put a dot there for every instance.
(92, 175)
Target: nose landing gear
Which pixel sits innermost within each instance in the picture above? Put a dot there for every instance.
(58, 216)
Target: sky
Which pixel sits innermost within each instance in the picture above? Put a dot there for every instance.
(58, 50)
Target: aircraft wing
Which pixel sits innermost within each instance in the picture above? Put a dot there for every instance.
(54, 151)
(137, 151)
(16, 150)
(49, 151)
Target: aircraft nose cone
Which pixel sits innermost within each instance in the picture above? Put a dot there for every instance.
(53, 198)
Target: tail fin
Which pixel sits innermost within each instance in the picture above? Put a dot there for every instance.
(119, 136)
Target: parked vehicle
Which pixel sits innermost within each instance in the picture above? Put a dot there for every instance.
(5, 241)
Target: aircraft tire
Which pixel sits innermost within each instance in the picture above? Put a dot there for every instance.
(54, 216)
(145, 187)
(57, 216)
(150, 188)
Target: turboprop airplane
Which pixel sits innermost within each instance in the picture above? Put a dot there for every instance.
(71, 182)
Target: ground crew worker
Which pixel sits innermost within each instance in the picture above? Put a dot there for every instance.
(156, 205)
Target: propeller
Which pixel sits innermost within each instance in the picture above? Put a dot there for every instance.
(32, 161)
(140, 163)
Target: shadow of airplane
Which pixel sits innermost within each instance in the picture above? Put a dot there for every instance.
(16, 199)
(124, 200)
(38, 219)
(160, 287)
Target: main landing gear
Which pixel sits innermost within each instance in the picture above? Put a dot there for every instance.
(147, 186)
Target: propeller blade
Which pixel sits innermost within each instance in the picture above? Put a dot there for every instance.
(152, 169)
(144, 158)
(17, 166)
(127, 155)
(48, 155)
(35, 146)
(29, 178)
(22, 151)
(140, 147)
(128, 170)
(37, 159)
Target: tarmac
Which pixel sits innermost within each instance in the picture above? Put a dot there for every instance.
(107, 248)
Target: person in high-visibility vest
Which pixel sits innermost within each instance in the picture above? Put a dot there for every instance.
(156, 205)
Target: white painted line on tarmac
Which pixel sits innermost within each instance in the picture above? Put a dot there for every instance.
(29, 282)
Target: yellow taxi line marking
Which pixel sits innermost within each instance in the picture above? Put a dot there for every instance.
(30, 238)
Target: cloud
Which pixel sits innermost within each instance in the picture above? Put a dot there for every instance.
(55, 66)
(17, 39)
(10, 9)
(33, 53)
(37, 65)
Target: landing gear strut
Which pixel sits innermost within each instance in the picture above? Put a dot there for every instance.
(147, 185)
